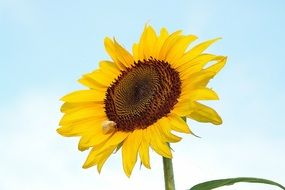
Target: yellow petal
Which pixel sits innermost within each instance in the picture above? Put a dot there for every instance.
(146, 44)
(178, 124)
(199, 79)
(202, 78)
(84, 96)
(104, 156)
(201, 59)
(130, 150)
(141, 44)
(84, 142)
(109, 67)
(194, 65)
(157, 144)
(165, 128)
(123, 55)
(91, 83)
(205, 114)
(199, 94)
(179, 48)
(182, 107)
(93, 139)
(78, 128)
(195, 51)
(82, 114)
(159, 42)
(136, 52)
(168, 44)
(68, 107)
(115, 139)
(97, 157)
(221, 61)
(144, 149)
(151, 39)
(91, 159)
(102, 78)
(101, 154)
(111, 49)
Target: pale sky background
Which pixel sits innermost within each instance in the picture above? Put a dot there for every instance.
(45, 46)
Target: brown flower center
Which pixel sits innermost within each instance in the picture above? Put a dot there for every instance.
(142, 94)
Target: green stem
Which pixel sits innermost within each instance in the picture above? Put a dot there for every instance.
(168, 174)
(168, 171)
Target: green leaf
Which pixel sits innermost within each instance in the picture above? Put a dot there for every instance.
(230, 181)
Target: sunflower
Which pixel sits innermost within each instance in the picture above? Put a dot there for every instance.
(136, 101)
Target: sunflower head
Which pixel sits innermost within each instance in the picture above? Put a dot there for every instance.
(135, 101)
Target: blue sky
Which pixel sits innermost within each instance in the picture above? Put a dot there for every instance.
(45, 46)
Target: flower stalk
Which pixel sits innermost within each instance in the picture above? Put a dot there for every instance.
(168, 174)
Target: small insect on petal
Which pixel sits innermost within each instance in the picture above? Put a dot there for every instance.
(108, 126)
